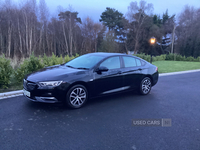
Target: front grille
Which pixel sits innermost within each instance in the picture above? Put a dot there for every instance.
(29, 85)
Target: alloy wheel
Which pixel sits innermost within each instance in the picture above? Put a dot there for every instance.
(145, 86)
(77, 97)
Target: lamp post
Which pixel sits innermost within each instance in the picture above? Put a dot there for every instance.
(152, 42)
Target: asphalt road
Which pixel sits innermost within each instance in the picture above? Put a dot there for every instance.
(107, 123)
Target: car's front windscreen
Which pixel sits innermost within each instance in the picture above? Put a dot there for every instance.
(84, 62)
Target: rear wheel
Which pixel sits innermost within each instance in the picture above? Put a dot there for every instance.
(77, 96)
(145, 86)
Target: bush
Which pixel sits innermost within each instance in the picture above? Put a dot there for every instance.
(144, 56)
(147, 58)
(67, 58)
(160, 58)
(6, 71)
(178, 57)
(190, 58)
(155, 58)
(29, 65)
(169, 56)
(46, 60)
(60, 59)
(198, 59)
(34, 64)
(53, 60)
(77, 55)
(21, 72)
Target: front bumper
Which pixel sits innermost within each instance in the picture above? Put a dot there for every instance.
(45, 94)
(43, 99)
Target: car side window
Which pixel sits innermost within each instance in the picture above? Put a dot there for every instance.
(111, 63)
(143, 63)
(138, 62)
(129, 62)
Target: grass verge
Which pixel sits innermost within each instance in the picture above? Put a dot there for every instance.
(175, 66)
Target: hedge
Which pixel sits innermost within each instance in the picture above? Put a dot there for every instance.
(173, 57)
(6, 71)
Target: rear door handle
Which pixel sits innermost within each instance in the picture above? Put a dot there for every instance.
(119, 72)
(140, 69)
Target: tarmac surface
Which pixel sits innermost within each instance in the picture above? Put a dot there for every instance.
(107, 122)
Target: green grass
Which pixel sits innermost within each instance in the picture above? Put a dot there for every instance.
(175, 66)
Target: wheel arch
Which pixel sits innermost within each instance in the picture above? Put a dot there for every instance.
(149, 77)
(81, 83)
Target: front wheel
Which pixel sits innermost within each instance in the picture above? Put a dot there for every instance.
(77, 96)
(145, 86)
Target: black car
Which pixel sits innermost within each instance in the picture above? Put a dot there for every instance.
(88, 76)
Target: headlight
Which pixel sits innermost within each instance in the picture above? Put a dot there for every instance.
(50, 83)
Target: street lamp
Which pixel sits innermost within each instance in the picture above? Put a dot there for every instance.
(152, 42)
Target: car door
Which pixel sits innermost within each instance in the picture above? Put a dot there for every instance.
(109, 81)
(131, 72)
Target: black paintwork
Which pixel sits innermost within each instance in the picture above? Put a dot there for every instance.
(97, 83)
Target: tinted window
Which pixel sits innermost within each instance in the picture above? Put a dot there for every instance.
(85, 61)
(138, 62)
(143, 63)
(129, 62)
(111, 63)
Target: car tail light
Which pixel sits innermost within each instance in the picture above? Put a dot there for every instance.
(156, 68)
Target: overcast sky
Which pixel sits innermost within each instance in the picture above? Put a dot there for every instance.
(94, 8)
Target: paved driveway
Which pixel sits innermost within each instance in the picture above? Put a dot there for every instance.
(106, 123)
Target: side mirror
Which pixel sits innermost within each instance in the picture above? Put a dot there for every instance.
(101, 69)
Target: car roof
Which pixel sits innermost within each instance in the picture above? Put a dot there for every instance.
(104, 54)
(107, 54)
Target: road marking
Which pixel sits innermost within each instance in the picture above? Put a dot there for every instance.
(176, 73)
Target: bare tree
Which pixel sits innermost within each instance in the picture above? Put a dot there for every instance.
(70, 22)
(137, 14)
(43, 16)
(188, 38)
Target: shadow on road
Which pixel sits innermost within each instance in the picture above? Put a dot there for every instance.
(94, 102)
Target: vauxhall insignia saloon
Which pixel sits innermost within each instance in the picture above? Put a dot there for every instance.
(88, 76)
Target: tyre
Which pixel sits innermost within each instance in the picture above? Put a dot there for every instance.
(145, 86)
(77, 96)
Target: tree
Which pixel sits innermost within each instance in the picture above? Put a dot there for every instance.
(162, 29)
(112, 18)
(43, 16)
(90, 31)
(137, 15)
(115, 21)
(70, 21)
(188, 39)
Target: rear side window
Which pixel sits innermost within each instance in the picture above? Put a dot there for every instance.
(138, 62)
(111, 63)
(129, 62)
(143, 63)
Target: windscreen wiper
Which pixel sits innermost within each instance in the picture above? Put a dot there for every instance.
(69, 66)
(82, 68)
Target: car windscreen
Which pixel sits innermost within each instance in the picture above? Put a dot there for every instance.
(84, 61)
